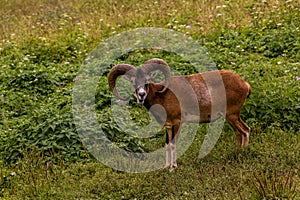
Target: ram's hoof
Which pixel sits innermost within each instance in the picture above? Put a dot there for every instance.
(172, 167)
(167, 166)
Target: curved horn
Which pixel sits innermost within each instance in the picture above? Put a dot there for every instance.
(158, 64)
(114, 73)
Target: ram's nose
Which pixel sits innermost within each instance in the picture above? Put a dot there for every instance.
(141, 95)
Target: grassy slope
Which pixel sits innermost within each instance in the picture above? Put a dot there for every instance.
(268, 168)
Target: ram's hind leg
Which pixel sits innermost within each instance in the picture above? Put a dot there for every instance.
(242, 131)
(246, 132)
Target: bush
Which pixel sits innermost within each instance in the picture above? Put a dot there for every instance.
(36, 89)
(38, 74)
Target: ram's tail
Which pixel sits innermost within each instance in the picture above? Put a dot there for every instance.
(249, 90)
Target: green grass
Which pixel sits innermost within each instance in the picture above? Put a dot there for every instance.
(226, 173)
(43, 46)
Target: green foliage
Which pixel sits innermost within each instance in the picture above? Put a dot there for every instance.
(278, 103)
(36, 90)
(38, 75)
(43, 46)
(267, 59)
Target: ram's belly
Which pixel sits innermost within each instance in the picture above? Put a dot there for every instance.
(202, 118)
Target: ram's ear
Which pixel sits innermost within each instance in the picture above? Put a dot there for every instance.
(154, 65)
(152, 75)
(128, 77)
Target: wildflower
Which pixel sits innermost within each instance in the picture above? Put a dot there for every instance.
(297, 78)
(26, 58)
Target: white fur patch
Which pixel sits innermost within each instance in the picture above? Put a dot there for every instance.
(141, 90)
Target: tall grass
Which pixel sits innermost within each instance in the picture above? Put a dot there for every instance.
(99, 19)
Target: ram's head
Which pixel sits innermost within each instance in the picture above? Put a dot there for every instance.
(140, 77)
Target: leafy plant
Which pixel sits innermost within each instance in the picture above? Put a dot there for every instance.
(43, 46)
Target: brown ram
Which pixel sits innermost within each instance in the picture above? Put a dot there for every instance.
(216, 93)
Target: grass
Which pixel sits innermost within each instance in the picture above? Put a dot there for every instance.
(226, 173)
(98, 19)
(43, 45)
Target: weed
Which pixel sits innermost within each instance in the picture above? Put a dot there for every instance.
(32, 175)
(273, 185)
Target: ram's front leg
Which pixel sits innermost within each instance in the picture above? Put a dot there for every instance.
(172, 134)
(168, 146)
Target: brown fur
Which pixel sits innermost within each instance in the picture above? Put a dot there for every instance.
(236, 89)
(199, 98)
